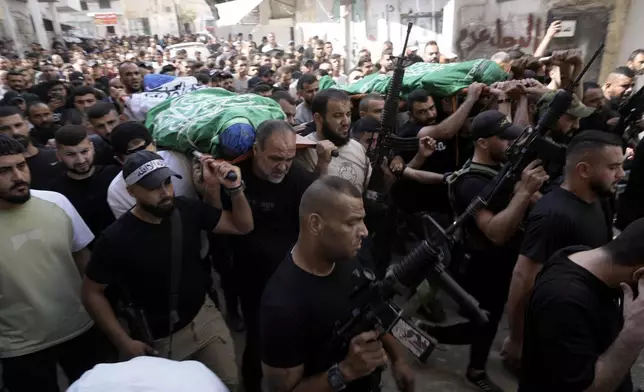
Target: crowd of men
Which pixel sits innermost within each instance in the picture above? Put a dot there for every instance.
(109, 241)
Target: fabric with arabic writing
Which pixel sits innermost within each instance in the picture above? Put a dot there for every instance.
(439, 80)
(211, 120)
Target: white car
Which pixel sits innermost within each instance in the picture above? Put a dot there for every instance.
(190, 48)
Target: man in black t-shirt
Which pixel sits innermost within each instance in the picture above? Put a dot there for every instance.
(42, 162)
(84, 184)
(411, 196)
(134, 255)
(491, 238)
(580, 335)
(310, 291)
(574, 214)
(274, 188)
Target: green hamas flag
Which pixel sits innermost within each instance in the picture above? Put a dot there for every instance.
(327, 82)
(211, 120)
(440, 80)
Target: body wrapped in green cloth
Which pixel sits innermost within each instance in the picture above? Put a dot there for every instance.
(211, 120)
(439, 80)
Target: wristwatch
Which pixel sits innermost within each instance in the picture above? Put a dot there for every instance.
(336, 380)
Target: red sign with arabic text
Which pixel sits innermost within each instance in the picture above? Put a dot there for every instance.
(105, 19)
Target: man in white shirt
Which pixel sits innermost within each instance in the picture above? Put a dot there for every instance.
(331, 110)
(129, 138)
(43, 242)
(272, 44)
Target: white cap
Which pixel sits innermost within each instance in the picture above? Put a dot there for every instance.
(149, 374)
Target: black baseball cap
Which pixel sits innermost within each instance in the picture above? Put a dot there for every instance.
(76, 77)
(124, 133)
(147, 169)
(265, 70)
(493, 123)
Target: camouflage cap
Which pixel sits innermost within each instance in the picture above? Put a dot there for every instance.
(576, 109)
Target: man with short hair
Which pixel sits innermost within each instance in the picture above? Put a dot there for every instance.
(581, 334)
(272, 44)
(241, 77)
(576, 213)
(603, 118)
(42, 119)
(284, 78)
(287, 103)
(386, 63)
(83, 98)
(618, 86)
(274, 188)
(372, 105)
(42, 161)
(130, 137)
(131, 77)
(365, 65)
(16, 81)
(296, 328)
(44, 253)
(103, 118)
(432, 53)
(636, 61)
(307, 87)
(493, 237)
(336, 69)
(332, 115)
(85, 184)
(318, 51)
(138, 247)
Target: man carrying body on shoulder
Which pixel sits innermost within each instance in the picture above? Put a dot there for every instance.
(410, 195)
(136, 249)
(104, 118)
(130, 137)
(576, 213)
(274, 188)
(42, 162)
(577, 336)
(296, 328)
(85, 184)
(43, 241)
(332, 115)
(492, 238)
(287, 103)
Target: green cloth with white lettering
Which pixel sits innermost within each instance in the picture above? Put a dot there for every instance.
(211, 120)
(439, 80)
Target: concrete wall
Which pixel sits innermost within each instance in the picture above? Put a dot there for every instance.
(83, 21)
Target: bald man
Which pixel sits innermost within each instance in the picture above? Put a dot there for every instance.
(295, 328)
(131, 77)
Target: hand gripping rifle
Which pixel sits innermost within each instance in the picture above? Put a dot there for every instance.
(630, 112)
(386, 132)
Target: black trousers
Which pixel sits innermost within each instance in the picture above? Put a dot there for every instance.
(251, 368)
(37, 371)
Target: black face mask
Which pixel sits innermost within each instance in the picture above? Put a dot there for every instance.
(334, 137)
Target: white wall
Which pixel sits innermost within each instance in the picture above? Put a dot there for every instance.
(633, 31)
(281, 28)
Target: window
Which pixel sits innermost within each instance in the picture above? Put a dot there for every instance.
(110, 30)
(83, 5)
(139, 26)
(104, 4)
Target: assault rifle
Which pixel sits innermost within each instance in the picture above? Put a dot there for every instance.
(386, 132)
(630, 112)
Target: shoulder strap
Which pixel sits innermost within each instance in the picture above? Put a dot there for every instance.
(176, 253)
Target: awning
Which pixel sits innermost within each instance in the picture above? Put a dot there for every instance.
(232, 12)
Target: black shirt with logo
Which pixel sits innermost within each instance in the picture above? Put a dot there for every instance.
(136, 255)
(412, 196)
(572, 318)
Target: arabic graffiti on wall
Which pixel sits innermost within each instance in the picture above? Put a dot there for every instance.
(481, 41)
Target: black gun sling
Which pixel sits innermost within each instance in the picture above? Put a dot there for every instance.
(176, 255)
